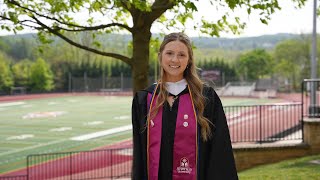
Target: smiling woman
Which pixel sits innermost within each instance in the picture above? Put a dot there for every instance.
(179, 126)
(174, 60)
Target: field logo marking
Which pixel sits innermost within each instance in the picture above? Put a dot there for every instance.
(20, 137)
(43, 114)
(102, 133)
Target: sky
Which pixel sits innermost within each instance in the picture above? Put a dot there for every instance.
(287, 20)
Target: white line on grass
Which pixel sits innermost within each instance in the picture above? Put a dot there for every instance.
(102, 133)
(11, 104)
(31, 147)
(78, 138)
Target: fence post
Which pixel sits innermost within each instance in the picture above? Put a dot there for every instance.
(260, 124)
(121, 81)
(111, 154)
(85, 82)
(103, 80)
(28, 167)
(302, 106)
(70, 155)
(70, 82)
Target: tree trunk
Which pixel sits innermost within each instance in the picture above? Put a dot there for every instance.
(140, 58)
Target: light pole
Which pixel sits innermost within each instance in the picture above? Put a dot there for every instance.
(313, 101)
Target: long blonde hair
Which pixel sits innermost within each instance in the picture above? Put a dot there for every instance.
(193, 80)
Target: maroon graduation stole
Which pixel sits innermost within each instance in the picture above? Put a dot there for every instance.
(185, 141)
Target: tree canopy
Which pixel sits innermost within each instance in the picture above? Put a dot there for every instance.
(136, 17)
(255, 64)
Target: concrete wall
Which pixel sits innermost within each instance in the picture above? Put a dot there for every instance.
(250, 155)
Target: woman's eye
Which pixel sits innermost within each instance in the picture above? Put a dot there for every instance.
(182, 55)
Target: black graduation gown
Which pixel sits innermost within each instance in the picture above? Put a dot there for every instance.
(216, 159)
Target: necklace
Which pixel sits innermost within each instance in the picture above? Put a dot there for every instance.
(174, 98)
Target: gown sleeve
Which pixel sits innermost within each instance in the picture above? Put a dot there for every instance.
(221, 164)
(137, 151)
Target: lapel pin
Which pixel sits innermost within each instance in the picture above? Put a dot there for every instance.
(185, 124)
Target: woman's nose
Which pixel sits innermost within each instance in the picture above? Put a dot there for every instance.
(174, 58)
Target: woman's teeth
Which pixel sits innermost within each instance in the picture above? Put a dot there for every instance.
(174, 66)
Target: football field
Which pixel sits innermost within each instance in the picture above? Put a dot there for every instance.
(68, 123)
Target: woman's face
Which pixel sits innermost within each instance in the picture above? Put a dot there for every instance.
(174, 60)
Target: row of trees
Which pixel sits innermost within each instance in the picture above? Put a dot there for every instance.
(289, 61)
(40, 75)
(135, 17)
(37, 76)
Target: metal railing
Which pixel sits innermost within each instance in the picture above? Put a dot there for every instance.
(251, 123)
(19, 177)
(95, 164)
(265, 123)
(310, 96)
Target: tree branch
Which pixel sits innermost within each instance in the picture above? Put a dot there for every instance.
(114, 55)
(94, 27)
(82, 28)
(23, 23)
(159, 7)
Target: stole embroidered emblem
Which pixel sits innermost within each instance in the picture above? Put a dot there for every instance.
(185, 141)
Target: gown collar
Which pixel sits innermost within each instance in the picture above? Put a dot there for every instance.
(176, 87)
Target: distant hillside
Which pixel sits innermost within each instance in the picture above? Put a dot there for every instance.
(265, 41)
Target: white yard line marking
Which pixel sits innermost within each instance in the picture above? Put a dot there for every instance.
(31, 147)
(92, 123)
(78, 138)
(102, 133)
(11, 104)
(61, 129)
(52, 103)
(122, 117)
(20, 137)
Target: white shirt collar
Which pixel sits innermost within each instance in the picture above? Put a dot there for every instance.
(176, 87)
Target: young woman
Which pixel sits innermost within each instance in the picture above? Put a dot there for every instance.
(179, 126)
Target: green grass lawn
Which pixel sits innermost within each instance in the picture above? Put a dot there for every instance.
(21, 135)
(296, 169)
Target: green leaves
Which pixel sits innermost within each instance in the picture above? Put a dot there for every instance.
(190, 5)
(13, 16)
(41, 77)
(6, 78)
(43, 37)
(248, 62)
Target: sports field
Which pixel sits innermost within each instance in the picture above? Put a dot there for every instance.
(68, 123)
